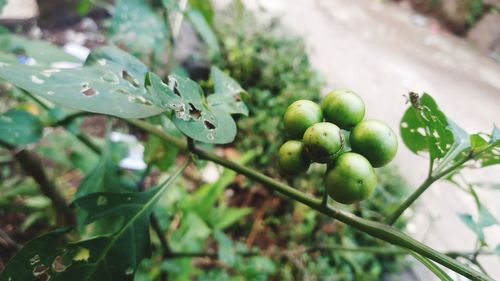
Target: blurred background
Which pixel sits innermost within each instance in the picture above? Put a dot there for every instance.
(280, 51)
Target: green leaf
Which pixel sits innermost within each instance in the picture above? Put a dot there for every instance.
(106, 55)
(485, 220)
(112, 257)
(460, 147)
(231, 216)
(468, 220)
(205, 198)
(488, 152)
(16, 49)
(497, 250)
(18, 127)
(105, 176)
(226, 252)
(205, 31)
(38, 253)
(159, 152)
(485, 217)
(227, 94)
(426, 129)
(113, 85)
(192, 115)
(138, 28)
(205, 8)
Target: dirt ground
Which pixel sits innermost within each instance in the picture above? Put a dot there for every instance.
(382, 51)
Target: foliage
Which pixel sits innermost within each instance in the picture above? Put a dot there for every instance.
(115, 208)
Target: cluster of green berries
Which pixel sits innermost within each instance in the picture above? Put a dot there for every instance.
(334, 133)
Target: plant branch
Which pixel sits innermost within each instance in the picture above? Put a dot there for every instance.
(10, 243)
(393, 217)
(425, 185)
(375, 229)
(432, 267)
(165, 247)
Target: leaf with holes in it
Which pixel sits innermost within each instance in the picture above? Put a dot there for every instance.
(138, 28)
(51, 257)
(136, 70)
(111, 257)
(16, 49)
(227, 94)
(192, 115)
(427, 129)
(100, 89)
(18, 127)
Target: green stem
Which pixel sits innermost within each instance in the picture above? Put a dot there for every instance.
(432, 267)
(375, 229)
(421, 189)
(321, 248)
(409, 201)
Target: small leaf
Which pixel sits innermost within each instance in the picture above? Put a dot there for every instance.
(472, 225)
(205, 31)
(489, 152)
(231, 216)
(226, 252)
(485, 217)
(191, 115)
(477, 142)
(497, 250)
(427, 129)
(227, 94)
(18, 127)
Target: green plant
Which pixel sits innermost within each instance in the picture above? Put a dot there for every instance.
(114, 212)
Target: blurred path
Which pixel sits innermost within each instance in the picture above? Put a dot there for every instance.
(382, 51)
